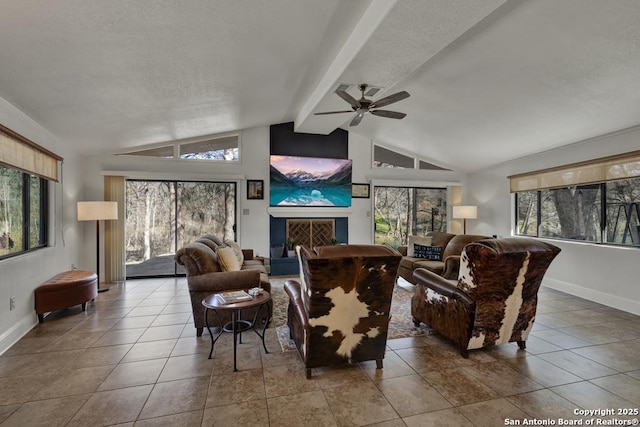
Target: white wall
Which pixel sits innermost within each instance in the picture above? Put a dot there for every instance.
(20, 275)
(253, 215)
(605, 274)
(252, 225)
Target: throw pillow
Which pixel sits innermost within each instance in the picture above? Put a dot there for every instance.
(433, 253)
(227, 259)
(237, 249)
(417, 240)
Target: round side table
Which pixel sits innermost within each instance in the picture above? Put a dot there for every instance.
(237, 324)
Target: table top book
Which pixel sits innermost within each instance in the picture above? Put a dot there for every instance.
(232, 297)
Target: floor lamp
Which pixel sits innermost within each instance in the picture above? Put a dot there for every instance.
(464, 213)
(96, 211)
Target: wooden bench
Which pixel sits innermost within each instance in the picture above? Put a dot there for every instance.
(66, 290)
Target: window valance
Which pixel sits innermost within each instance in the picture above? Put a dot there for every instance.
(18, 152)
(604, 169)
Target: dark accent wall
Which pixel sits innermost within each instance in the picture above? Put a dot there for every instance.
(285, 142)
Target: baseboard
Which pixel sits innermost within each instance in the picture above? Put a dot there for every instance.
(17, 331)
(609, 300)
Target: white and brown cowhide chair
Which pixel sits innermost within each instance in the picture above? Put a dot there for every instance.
(339, 311)
(494, 299)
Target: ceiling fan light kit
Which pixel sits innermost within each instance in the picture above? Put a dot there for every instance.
(363, 105)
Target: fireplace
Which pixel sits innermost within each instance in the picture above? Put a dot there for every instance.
(309, 232)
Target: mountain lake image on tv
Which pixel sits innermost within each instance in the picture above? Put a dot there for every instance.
(309, 181)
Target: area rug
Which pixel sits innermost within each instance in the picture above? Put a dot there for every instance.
(400, 326)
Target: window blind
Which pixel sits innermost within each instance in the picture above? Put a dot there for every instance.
(18, 152)
(621, 166)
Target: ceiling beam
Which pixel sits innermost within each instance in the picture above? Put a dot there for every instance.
(371, 19)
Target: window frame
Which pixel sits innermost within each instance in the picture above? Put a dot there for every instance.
(176, 149)
(603, 229)
(43, 236)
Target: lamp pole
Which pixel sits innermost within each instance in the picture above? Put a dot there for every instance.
(100, 210)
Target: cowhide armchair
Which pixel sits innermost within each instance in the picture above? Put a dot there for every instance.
(339, 311)
(494, 299)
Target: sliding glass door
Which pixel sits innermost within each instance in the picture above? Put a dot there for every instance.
(401, 212)
(162, 216)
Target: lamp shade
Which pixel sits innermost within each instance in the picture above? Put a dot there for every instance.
(92, 211)
(465, 212)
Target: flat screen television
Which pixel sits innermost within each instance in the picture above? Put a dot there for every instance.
(309, 181)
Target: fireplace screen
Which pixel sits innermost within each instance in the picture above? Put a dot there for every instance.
(311, 232)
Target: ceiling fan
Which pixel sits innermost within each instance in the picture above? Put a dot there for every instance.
(363, 105)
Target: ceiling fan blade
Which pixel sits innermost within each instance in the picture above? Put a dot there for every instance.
(350, 99)
(356, 120)
(391, 99)
(332, 112)
(388, 114)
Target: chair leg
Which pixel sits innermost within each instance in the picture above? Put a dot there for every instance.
(522, 345)
(378, 363)
(84, 306)
(308, 373)
(416, 322)
(199, 332)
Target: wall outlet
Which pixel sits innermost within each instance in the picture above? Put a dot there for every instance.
(12, 303)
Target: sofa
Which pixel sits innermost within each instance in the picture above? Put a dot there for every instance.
(494, 299)
(213, 265)
(339, 308)
(449, 261)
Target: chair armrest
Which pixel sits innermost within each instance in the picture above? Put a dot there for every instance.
(292, 288)
(440, 285)
(451, 267)
(224, 280)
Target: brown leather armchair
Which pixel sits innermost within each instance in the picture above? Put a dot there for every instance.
(495, 297)
(447, 267)
(339, 311)
(205, 277)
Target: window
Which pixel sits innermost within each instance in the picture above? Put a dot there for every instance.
(606, 212)
(401, 212)
(23, 212)
(386, 158)
(219, 148)
(593, 201)
(527, 213)
(212, 149)
(571, 213)
(623, 211)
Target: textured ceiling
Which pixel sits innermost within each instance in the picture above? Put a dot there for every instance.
(489, 81)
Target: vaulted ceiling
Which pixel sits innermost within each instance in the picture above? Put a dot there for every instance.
(490, 80)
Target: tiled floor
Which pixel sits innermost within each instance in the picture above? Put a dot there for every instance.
(133, 359)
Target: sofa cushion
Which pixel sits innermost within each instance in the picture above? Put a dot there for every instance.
(237, 249)
(227, 258)
(417, 240)
(431, 265)
(213, 238)
(208, 242)
(428, 252)
(407, 262)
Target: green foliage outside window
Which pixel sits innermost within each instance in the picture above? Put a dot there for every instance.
(22, 197)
